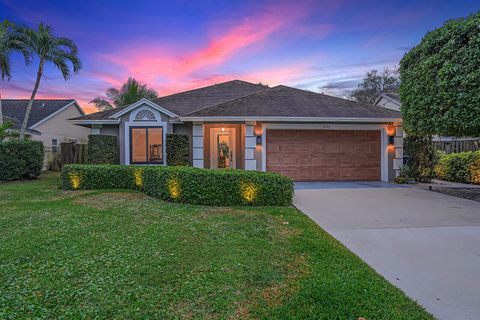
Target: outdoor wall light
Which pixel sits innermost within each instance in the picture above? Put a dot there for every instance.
(391, 140)
(259, 140)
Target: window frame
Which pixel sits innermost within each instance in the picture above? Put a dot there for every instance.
(147, 146)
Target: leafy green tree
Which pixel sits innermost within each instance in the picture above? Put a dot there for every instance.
(11, 40)
(49, 48)
(440, 87)
(130, 92)
(374, 84)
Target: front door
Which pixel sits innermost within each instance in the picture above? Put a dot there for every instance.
(222, 148)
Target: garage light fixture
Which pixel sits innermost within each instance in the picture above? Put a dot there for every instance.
(391, 140)
(259, 140)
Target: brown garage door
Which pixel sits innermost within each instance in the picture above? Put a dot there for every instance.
(324, 155)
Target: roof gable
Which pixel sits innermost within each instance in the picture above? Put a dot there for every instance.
(42, 109)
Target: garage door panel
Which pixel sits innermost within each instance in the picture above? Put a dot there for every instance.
(328, 155)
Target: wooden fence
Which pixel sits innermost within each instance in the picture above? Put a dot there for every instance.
(71, 152)
(455, 146)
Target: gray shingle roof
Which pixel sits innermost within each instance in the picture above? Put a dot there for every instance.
(283, 101)
(240, 98)
(15, 109)
(193, 100)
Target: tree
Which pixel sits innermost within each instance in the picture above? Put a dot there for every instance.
(440, 89)
(130, 92)
(49, 48)
(374, 84)
(11, 40)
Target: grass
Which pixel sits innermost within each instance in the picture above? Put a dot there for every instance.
(120, 254)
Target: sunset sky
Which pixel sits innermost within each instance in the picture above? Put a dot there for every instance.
(323, 46)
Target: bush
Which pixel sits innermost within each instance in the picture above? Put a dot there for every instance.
(20, 159)
(178, 149)
(185, 184)
(81, 176)
(421, 158)
(440, 81)
(461, 167)
(102, 149)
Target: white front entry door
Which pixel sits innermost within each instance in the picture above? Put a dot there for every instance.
(222, 148)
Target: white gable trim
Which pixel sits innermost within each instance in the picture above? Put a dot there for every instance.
(384, 96)
(148, 103)
(74, 103)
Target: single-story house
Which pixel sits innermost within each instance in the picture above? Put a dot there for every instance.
(48, 120)
(236, 124)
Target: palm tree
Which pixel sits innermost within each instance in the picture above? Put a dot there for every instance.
(130, 92)
(49, 48)
(11, 40)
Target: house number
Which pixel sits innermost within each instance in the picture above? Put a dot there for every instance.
(325, 126)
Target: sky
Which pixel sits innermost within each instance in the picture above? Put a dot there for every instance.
(173, 46)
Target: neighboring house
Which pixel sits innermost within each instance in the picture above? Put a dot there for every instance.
(48, 120)
(389, 101)
(304, 135)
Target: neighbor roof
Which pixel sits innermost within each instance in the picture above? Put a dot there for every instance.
(283, 101)
(193, 100)
(15, 109)
(390, 96)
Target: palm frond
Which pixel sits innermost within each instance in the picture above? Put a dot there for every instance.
(101, 103)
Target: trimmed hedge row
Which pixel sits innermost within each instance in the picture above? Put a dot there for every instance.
(461, 167)
(178, 149)
(102, 149)
(185, 184)
(20, 159)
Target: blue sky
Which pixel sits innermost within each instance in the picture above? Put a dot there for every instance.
(323, 46)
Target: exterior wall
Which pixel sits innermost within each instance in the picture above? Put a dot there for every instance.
(388, 104)
(397, 150)
(239, 143)
(60, 129)
(127, 121)
(109, 130)
(388, 154)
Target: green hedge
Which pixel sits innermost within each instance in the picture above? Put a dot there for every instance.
(422, 158)
(459, 167)
(102, 149)
(178, 148)
(20, 159)
(185, 184)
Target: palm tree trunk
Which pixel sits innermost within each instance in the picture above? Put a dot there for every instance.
(1, 110)
(32, 98)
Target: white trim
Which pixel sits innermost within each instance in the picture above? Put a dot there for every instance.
(395, 101)
(293, 119)
(105, 121)
(57, 112)
(332, 126)
(148, 103)
(135, 123)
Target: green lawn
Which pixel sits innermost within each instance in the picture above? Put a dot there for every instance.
(120, 254)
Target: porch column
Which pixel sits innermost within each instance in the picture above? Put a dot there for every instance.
(398, 146)
(198, 145)
(250, 143)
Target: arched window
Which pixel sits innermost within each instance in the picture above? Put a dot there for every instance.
(144, 115)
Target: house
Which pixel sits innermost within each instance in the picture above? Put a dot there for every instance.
(236, 124)
(389, 101)
(48, 120)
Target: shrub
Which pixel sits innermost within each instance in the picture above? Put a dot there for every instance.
(185, 184)
(461, 167)
(102, 149)
(178, 149)
(20, 159)
(81, 176)
(422, 158)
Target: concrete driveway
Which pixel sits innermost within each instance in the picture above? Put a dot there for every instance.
(425, 243)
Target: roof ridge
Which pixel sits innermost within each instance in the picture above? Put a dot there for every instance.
(219, 104)
(212, 85)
